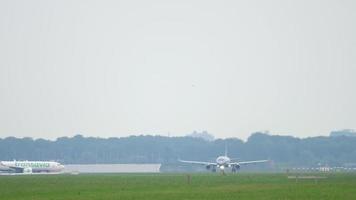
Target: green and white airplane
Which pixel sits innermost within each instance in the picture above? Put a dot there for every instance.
(29, 167)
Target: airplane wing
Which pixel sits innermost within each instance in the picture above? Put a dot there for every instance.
(197, 162)
(250, 162)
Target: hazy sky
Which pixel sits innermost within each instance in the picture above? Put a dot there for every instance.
(115, 68)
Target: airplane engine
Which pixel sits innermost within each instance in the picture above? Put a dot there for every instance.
(235, 168)
(208, 167)
(27, 170)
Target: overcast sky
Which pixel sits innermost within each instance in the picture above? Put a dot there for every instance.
(115, 68)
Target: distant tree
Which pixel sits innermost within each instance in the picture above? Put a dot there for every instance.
(345, 132)
(283, 150)
(203, 135)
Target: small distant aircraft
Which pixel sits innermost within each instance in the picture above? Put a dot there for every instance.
(29, 167)
(223, 162)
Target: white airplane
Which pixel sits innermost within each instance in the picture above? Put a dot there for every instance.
(223, 162)
(29, 167)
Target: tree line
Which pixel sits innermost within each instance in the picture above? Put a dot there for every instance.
(283, 150)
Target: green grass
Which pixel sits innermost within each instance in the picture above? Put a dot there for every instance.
(176, 186)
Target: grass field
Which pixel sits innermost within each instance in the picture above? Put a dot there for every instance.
(177, 186)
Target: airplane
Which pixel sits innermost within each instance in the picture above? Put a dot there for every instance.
(223, 162)
(29, 167)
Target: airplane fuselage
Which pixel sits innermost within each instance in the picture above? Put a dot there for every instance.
(31, 166)
(223, 161)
